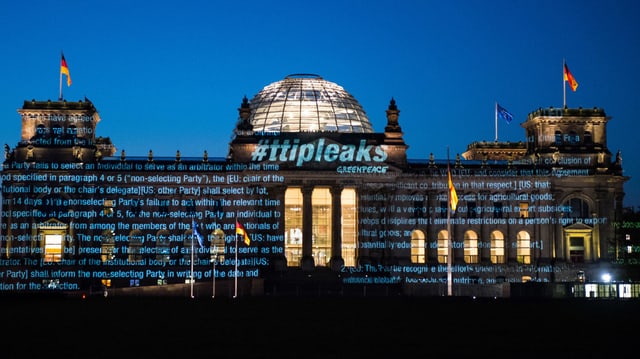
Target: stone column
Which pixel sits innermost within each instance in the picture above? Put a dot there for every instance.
(336, 262)
(307, 261)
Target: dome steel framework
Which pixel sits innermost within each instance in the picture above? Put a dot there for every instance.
(307, 103)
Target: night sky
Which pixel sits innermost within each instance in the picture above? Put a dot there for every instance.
(170, 75)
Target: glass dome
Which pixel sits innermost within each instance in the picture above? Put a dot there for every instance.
(307, 103)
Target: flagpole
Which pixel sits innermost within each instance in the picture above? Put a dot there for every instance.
(449, 242)
(60, 98)
(564, 86)
(193, 234)
(496, 116)
(235, 289)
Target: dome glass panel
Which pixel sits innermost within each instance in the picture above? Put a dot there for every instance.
(307, 103)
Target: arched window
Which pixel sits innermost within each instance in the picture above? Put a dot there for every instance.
(443, 246)
(579, 211)
(497, 247)
(417, 247)
(523, 248)
(470, 247)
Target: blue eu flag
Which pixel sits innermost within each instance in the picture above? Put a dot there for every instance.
(503, 113)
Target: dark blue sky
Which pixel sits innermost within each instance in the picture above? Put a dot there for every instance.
(170, 75)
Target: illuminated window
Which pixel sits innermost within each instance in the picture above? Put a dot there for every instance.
(524, 209)
(52, 247)
(293, 226)
(349, 227)
(107, 250)
(497, 247)
(523, 248)
(576, 249)
(443, 246)
(417, 247)
(470, 247)
(321, 224)
(54, 237)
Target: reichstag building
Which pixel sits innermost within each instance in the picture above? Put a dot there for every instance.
(310, 197)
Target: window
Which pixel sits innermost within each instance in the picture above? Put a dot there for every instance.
(53, 236)
(349, 227)
(136, 238)
(523, 248)
(293, 226)
(162, 246)
(573, 138)
(497, 248)
(470, 247)
(443, 209)
(588, 139)
(576, 249)
(52, 247)
(107, 250)
(472, 209)
(524, 209)
(558, 138)
(417, 247)
(497, 210)
(321, 224)
(579, 210)
(443, 246)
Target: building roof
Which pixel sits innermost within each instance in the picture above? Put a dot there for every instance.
(307, 103)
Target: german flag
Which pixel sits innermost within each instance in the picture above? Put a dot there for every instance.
(569, 78)
(453, 196)
(241, 231)
(64, 70)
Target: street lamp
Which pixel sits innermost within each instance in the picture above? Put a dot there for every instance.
(215, 258)
(213, 274)
(217, 254)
